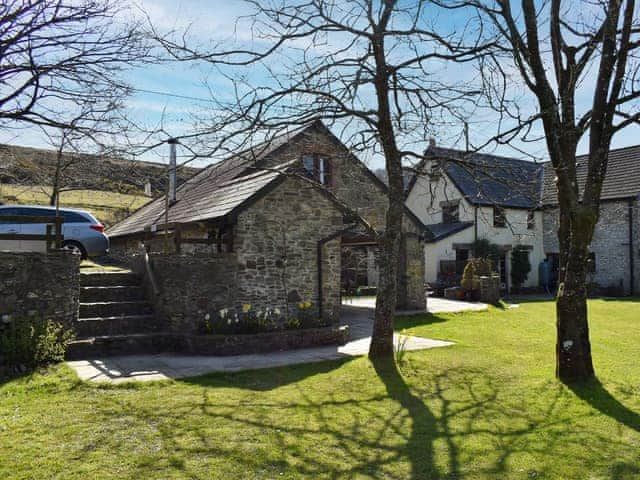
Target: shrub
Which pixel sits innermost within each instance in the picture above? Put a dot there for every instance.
(483, 248)
(520, 266)
(469, 277)
(33, 342)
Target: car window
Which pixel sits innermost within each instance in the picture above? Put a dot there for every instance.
(4, 212)
(74, 217)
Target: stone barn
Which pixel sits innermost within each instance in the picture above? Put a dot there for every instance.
(268, 227)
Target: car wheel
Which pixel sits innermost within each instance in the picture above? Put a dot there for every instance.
(75, 247)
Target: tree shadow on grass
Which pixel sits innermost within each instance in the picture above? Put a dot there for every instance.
(418, 320)
(424, 428)
(418, 422)
(269, 378)
(596, 395)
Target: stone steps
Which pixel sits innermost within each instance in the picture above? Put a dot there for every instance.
(114, 309)
(111, 293)
(116, 325)
(115, 318)
(129, 344)
(107, 279)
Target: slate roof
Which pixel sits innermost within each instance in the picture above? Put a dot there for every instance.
(213, 192)
(222, 200)
(621, 181)
(224, 187)
(490, 179)
(444, 230)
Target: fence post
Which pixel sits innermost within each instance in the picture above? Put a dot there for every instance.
(177, 237)
(58, 221)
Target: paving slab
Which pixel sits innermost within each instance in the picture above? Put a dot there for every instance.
(434, 305)
(171, 366)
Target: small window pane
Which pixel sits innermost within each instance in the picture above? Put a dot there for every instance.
(499, 217)
(308, 163)
(73, 217)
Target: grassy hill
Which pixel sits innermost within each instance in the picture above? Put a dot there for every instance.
(108, 207)
(111, 188)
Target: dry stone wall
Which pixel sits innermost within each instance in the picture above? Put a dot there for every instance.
(44, 284)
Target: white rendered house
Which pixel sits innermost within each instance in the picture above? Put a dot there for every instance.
(463, 197)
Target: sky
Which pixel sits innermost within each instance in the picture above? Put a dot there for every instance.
(170, 94)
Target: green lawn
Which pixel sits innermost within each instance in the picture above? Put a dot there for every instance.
(486, 408)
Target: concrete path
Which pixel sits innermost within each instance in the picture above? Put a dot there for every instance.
(434, 305)
(164, 366)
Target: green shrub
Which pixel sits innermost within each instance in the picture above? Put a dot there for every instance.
(33, 342)
(483, 248)
(469, 276)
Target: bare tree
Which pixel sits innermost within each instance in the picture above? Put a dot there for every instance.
(560, 51)
(57, 57)
(369, 68)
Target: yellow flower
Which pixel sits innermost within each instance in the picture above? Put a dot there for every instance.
(246, 307)
(307, 304)
(301, 306)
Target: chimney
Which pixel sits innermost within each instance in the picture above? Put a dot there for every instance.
(432, 142)
(172, 170)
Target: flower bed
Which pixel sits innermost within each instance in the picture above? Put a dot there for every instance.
(246, 320)
(240, 344)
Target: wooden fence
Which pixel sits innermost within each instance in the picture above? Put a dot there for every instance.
(53, 234)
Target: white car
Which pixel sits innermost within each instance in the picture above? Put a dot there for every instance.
(81, 231)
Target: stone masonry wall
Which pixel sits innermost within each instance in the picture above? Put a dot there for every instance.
(610, 243)
(276, 242)
(353, 184)
(192, 285)
(45, 284)
(411, 294)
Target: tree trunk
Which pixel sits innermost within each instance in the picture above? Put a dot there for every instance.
(573, 348)
(387, 296)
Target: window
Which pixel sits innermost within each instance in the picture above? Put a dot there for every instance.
(499, 217)
(5, 212)
(318, 168)
(531, 220)
(591, 263)
(450, 213)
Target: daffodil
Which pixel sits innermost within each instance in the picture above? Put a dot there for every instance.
(246, 307)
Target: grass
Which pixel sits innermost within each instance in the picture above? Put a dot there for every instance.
(486, 408)
(108, 207)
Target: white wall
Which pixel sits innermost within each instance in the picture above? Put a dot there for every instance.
(425, 199)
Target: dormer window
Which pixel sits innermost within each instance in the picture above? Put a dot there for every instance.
(318, 168)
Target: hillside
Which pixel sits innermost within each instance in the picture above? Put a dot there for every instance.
(32, 166)
(109, 187)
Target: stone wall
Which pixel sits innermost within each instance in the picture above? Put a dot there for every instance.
(411, 288)
(610, 244)
(191, 286)
(353, 184)
(46, 284)
(276, 241)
